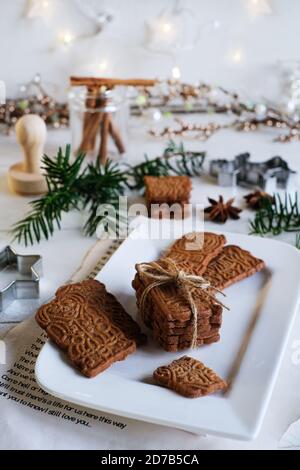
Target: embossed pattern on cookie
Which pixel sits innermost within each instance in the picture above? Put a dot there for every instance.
(96, 291)
(194, 251)
(233, 264)
(89, 287)
(189, 377)
(77, 320)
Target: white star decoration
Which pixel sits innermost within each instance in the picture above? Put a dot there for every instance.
(37, 8)
(175, 28)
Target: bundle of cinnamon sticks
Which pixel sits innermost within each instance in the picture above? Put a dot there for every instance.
(100, 122)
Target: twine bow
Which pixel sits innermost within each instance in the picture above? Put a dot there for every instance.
(184, 281)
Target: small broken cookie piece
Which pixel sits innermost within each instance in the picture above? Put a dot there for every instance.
(189, 378)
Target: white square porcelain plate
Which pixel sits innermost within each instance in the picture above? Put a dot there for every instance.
(262, 309)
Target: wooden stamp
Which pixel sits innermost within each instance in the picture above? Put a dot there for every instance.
(26, 177)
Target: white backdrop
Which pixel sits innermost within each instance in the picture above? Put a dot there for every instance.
(28, 46)
(241, 54)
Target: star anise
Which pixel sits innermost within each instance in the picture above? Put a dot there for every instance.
(256, 200)
(220, 211)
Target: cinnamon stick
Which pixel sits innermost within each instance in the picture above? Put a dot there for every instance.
(103, 152)
(92, 82)
(90, 132)
(116, 136)
(89, 141)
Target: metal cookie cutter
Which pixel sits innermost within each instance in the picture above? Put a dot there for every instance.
(19, 276)
(227, 171)
(241, 171)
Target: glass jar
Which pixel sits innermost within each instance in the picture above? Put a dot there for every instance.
(99, 122)
(290, 86)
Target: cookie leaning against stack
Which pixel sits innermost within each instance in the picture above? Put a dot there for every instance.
(91, 325)
(232, 265)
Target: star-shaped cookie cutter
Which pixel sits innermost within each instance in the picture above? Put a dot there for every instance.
(27, 286)
(243, 172)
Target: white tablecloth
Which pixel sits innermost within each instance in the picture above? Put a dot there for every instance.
(64, 252)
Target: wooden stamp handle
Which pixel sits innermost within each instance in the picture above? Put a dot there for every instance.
(31, 134)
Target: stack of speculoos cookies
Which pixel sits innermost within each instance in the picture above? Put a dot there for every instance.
(167, 311)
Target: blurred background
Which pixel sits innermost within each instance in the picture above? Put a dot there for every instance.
(236, 43)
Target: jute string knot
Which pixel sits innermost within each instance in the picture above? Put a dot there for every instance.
(186, 283)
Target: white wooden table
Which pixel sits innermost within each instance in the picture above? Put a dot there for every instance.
(64, 252)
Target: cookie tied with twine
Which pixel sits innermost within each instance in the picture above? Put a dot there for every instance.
(168, 273)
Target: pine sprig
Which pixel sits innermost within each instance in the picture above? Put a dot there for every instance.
(175, 161)
(100, 185)
(61, 172)
(62, 196)
(74, 186)
(281, 215)
(45, 216)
